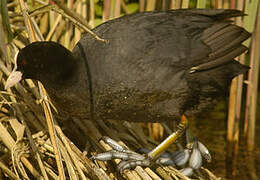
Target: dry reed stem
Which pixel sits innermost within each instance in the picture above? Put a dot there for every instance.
(117, 8)
(70, 152)
(163, 173)
(234, 108)
(53, 28)
(10, 143)
(152, 174)
(91, 13)
(27, 21)
(50, 172)
(150, 5)
(8, 171)
(76, 19)
(211, 175)
(67, 160)
(178, 173)
(185, 4)
(106, 11)
(53, 136)
(20, 133)
(231, 111)
(254, 73)
(141, 5)
(173, 174)
(88, 167)
(77, 35)
(35, 150)
(142, 173)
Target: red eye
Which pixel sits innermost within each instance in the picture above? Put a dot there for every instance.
(23, 62)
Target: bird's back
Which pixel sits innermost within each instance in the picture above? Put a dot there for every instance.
(158, 65)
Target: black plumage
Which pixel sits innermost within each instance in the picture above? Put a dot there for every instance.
(155, 67)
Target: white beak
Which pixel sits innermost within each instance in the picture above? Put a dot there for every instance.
(13, 79)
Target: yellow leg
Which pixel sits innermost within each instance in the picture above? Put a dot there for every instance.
(156, 152)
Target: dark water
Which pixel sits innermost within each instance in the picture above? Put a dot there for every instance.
(211, 130)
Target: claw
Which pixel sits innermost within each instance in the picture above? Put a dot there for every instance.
(193, 69)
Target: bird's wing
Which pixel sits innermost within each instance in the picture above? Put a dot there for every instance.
(158, 45)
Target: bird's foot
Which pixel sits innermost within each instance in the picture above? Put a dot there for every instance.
(131, 159)
(197, 151)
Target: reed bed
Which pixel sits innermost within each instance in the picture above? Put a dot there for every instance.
(33, 144)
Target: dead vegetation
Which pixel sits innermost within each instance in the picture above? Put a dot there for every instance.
(32, 144)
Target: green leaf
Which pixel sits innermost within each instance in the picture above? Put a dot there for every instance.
(132, 7)
(201, 4)
(98, 10)
(97, 21)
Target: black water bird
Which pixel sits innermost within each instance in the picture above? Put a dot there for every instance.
(156, 66)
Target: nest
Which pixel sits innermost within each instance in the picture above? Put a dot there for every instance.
(33, 145)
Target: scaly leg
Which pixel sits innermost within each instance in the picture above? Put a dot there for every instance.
(132, 159)
(156, 152)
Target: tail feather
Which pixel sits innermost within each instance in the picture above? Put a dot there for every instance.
(223, 37)
(232, 44)
(225, 41)
(211, 31)
(221, 60)
(216, 31)
(228, 54)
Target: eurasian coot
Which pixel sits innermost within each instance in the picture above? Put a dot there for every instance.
(156, 66)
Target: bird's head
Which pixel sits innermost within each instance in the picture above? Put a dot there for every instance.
(43, 61)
